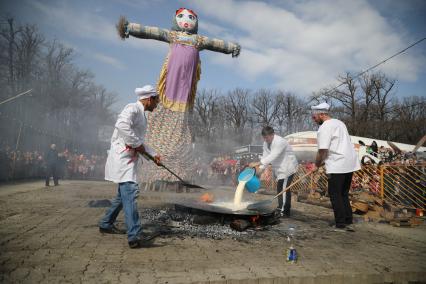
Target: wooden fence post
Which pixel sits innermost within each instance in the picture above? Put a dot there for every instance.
(382, 184)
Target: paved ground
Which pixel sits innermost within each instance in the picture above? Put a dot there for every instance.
(49, 235)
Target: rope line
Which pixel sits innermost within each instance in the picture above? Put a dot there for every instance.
(378, 64)
(17, 96)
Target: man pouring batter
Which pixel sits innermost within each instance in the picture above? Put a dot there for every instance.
(278, 153)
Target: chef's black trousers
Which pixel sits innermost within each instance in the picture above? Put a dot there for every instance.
(284, 204)
(338, 190)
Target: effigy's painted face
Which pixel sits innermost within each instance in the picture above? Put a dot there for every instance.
(186, 20)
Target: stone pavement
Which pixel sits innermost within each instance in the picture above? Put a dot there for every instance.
(50, 235)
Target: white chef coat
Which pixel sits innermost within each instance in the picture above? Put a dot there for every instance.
(342, 157)
(281, 156)
(129, 130)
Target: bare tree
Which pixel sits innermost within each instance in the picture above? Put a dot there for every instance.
(408, 122)
(361, 103)
(10, 35)
(292, 115)
(348, 97)
(207, 115)
(57, 57)
(265, 106)
(66, 105)
(380, 104)
(367, 85)
(382, 87)
(236, 109)
(28, 50)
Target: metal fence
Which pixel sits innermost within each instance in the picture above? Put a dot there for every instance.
(403, 185)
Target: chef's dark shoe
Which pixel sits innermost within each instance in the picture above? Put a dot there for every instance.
(112, 230)
(144, 241)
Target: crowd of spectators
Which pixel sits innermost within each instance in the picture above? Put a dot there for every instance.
(16, 164)
(224, 169)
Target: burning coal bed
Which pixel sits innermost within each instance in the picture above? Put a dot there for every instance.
(182, 221)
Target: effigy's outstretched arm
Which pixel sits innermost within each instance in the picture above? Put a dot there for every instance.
(125, 29)
(219, 45)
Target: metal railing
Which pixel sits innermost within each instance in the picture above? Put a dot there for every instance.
(403, 185)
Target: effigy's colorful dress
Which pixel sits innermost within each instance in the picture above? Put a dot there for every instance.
(169, 130)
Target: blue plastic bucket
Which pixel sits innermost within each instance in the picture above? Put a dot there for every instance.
(252, 182)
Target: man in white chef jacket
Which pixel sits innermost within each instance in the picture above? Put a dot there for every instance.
(278, 153)
(337, 153)
(127, 143)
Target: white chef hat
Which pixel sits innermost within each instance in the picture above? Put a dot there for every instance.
(146, 92)
(321, 108)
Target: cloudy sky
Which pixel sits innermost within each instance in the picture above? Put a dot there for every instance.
(299, 46)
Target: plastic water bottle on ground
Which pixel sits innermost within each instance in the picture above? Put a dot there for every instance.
(291, 251)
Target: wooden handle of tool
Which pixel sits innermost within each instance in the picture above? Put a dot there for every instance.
(295, 182)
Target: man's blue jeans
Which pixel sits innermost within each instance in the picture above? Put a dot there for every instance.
(126, 199)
